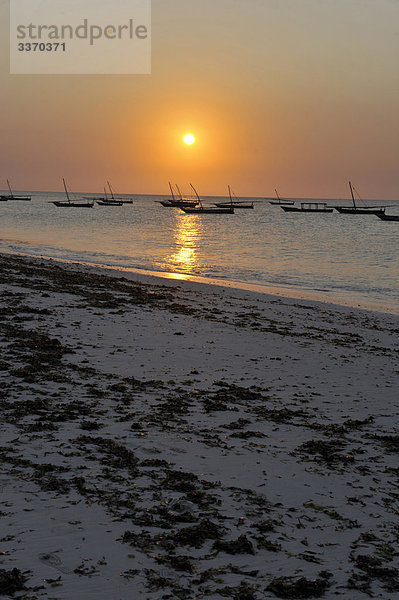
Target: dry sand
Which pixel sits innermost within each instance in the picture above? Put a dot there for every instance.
(181, 441)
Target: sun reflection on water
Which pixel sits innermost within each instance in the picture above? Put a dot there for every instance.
(187, 237)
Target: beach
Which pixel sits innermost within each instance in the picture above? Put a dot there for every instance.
(166, 439)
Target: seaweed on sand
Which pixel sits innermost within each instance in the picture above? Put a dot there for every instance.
(283, 415)
(115, 455)
(180, 563)
(287, 587)
(39, 351)
(198, 534)
(327, 452)
(156, 581)
(242, 545)
(243, 592)
(11, 581)
(390, 442)
(372, 567)
(182, 481)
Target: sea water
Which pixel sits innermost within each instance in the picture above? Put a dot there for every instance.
(352, 259)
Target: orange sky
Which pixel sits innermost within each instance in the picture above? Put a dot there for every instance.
(295, 94)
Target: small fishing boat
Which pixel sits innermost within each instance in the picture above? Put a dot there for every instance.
(357, 210)
(68, 204)
(241, 204)
(281, 201)
(385, 217)
(309, 207)
(237, 203)
(211, 210)
(12, 196)
(123, 200)
(108, 201)
(179, 202)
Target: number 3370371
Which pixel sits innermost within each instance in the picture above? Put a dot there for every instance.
(42, 47)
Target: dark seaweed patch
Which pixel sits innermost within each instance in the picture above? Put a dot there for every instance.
(11, 581)
(242, 545)
(327, 452)
(390, 442)
(287, 587)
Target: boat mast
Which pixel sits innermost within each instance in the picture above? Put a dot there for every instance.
(231, 199)
(105, 192)
(178, 189)
(196, 193)
(352, 194)
(110, 189)
(9, 187)
(66, 191)
(173, 194)
(278, 197)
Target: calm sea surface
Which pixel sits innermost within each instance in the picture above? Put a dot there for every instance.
(350, 258)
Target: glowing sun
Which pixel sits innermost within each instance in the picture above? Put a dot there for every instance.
(189, 139)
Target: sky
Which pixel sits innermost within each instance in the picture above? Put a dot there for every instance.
(298, 95)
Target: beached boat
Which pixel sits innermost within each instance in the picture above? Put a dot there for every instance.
(237, 203)
(208, 210)
(12, 196)
(309, 207)
(281, 201)
(385, 217)
(68, 204)
(179, 202)
(108, 201)
(357, 210)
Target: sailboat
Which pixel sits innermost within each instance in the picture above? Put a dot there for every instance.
(309, 207)
(280, 201)
(68, 204)
(356, 210)
(12, 196)
(178, 202)
(213, 210)
(237, 203)
(108, 201)
(123, 200)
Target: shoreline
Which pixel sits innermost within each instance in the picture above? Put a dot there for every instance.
(192, 442)
(146, 276)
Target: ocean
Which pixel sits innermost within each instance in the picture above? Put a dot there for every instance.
(345, 259)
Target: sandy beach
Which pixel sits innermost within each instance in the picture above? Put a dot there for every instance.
(175, 440)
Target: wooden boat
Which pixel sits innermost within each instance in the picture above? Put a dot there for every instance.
(123, 200)
(241, 204)
(12, 196)
(108, 201)
(280, 201)
(211, 210)
(68, 204)
(308, 207)
(178, 202)
(385, 217)
(356, 210)
(235, 203)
